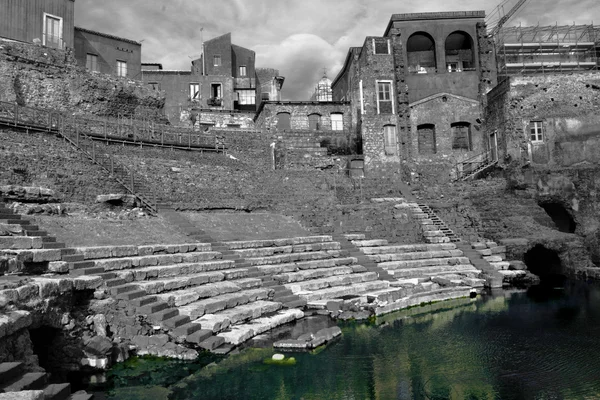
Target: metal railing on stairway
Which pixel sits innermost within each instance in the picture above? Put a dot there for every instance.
(74, 131)
(473, 166)
(134, 183)
(113, 130)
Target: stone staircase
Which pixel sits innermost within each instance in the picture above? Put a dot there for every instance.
(34, 385)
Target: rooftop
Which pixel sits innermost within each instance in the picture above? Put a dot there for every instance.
(106, 35)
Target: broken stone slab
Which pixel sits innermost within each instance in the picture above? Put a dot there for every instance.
(36, 255)
(237, 335)
(517, 265)
(13, 321)
(20, 242)
(23, 395)
(87, 282)
(58, 267)
(213, 322)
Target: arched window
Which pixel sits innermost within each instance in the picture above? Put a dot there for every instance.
(426, 137)
(461, 136)
(390, 139)
(283, 121)
(420, 50)
(459, 52)
(314, 122)
(337, 122)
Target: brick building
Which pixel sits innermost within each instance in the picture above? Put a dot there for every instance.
(108, 54)
(223, 80)
(415, 91)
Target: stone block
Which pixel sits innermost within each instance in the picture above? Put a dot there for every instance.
(23, 395)
(90, 253)
(87, 282)
(14, 321)
(212, 343)
(58, 267)
(517, 265)
(27, 292)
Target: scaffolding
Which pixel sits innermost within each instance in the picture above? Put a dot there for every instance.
(548, 49)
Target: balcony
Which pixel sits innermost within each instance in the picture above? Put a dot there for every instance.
(215, 101)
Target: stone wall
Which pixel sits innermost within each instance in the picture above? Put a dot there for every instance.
(44, 160)
(42, 77)
(567, 107)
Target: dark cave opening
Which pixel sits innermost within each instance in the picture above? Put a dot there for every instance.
(546, 264)
(561, 217)
(44, 340)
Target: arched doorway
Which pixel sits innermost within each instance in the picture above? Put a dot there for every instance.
(420, 50)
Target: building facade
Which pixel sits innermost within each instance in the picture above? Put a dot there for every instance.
(223, 80)
(416, 90)
(47, 22)
(108, 54)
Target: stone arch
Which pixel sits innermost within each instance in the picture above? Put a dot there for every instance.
(461, 136)
(560, 215)
(459, 52)
(284, 121)
(426, 138)
(420, 50)
(544, 263)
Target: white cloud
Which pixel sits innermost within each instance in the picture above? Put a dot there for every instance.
(300, 38)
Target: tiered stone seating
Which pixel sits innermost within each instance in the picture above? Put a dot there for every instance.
(15, 382)
(423, 262)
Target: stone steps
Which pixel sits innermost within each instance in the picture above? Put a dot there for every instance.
(274, 269)
(433, 270)
(14, 379)
(222, 302)
(98, 252)
(183, 297)
(425, 262)
(243, 313)
(421, 255)
(341, 291)
(293, 257)
(407, 248)
(277, 242)
(424, 297)
(332, 281)
(310, 274)
(174, 270)
(299, 248)
(121, 263)
(241, 333)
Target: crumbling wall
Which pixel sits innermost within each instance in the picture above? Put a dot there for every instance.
(568, 106)
(44, 160)
(41, 77)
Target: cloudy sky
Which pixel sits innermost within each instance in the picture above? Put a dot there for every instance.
(301, 38)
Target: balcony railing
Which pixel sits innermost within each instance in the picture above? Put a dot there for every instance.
(215, 101)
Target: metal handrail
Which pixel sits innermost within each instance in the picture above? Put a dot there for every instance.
(473, 164)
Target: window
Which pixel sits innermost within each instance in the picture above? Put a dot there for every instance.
(217, 60)
(215, 90)
(381, 46)
(264, 96)
(459, 52)
(194, 91)
(314, 122)
(420, 50)
(53, 31)
(246, 97)
(242, 70)
(461, 136)
(337, 122)
(91, 62)
(154, 85)
(390, 139)
(536, 129)
(385, 105)
(283, 121)
(121, 68)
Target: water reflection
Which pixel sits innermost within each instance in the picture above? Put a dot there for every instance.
(536, 344)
